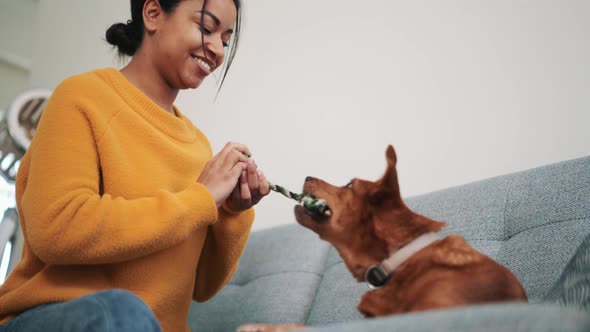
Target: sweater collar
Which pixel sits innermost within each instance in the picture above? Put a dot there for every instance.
(178, 127)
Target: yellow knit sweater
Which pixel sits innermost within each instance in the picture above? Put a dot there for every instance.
(108, 198)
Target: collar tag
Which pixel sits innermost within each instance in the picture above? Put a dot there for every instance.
(376, 277)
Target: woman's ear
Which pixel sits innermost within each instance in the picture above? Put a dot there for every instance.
(152, 12)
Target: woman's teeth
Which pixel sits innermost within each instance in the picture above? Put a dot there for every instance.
(204, 64)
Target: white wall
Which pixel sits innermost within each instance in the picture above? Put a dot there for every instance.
(464, 89)
(72, 38)
(18, 31)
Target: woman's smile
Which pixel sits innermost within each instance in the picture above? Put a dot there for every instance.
(205, 67)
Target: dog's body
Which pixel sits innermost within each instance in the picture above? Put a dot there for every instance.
(368, 222)
(447, 273)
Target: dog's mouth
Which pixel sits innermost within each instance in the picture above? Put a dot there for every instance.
(323, 213)
(316, 207)
(320, 215)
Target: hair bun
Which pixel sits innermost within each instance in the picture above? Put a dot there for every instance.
(124, 37)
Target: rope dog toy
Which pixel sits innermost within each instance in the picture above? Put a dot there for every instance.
(315, 205)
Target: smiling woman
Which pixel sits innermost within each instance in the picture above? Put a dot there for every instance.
(128, 37)
(127, 214)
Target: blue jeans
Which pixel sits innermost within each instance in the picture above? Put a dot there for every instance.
(111, 310)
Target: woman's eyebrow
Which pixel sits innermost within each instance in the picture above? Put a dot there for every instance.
(215, 18)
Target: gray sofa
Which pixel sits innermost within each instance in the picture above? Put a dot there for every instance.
(536, 222)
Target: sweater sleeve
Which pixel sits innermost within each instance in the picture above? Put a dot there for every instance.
(67, 220)
(223, 248)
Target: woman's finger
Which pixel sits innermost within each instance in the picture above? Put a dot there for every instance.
(242, 148)
(264, 187)
(237, 169)
(245, 193)
(237, 146)
(233, 156)
(252, 176)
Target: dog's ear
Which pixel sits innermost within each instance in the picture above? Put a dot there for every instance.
(387, 188)
(390, 156)
(389, 181)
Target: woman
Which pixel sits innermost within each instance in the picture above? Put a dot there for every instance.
(126, 215)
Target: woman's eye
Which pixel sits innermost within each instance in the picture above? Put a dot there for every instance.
(204, 30)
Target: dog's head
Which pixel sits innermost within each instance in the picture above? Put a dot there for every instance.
(367, 220)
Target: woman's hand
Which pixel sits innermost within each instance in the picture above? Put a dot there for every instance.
(222, 172)
(250, 190)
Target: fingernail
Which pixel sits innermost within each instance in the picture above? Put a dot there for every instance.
(259, 171)
(244, 176)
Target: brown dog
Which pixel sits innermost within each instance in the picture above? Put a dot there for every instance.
(398, 253)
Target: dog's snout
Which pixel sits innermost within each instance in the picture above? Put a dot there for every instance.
(309, 178)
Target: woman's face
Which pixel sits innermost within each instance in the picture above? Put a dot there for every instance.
(187, 52)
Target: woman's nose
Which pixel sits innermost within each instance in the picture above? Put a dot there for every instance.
(216, 47)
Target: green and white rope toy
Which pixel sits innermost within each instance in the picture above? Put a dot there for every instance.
(314, 205)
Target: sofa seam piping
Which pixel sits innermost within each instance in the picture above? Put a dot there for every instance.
(315, 295)
(270, 275)
(506, 231)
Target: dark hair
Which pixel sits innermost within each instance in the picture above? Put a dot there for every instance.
(128, 37)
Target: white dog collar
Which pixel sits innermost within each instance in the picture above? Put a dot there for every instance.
(378, 275)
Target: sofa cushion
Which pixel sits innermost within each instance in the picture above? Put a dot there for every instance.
(338, 294)
(484, 318)
(276, 282)
(531, 221)
(573, 287)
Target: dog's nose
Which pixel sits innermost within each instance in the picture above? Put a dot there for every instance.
(309, 178)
